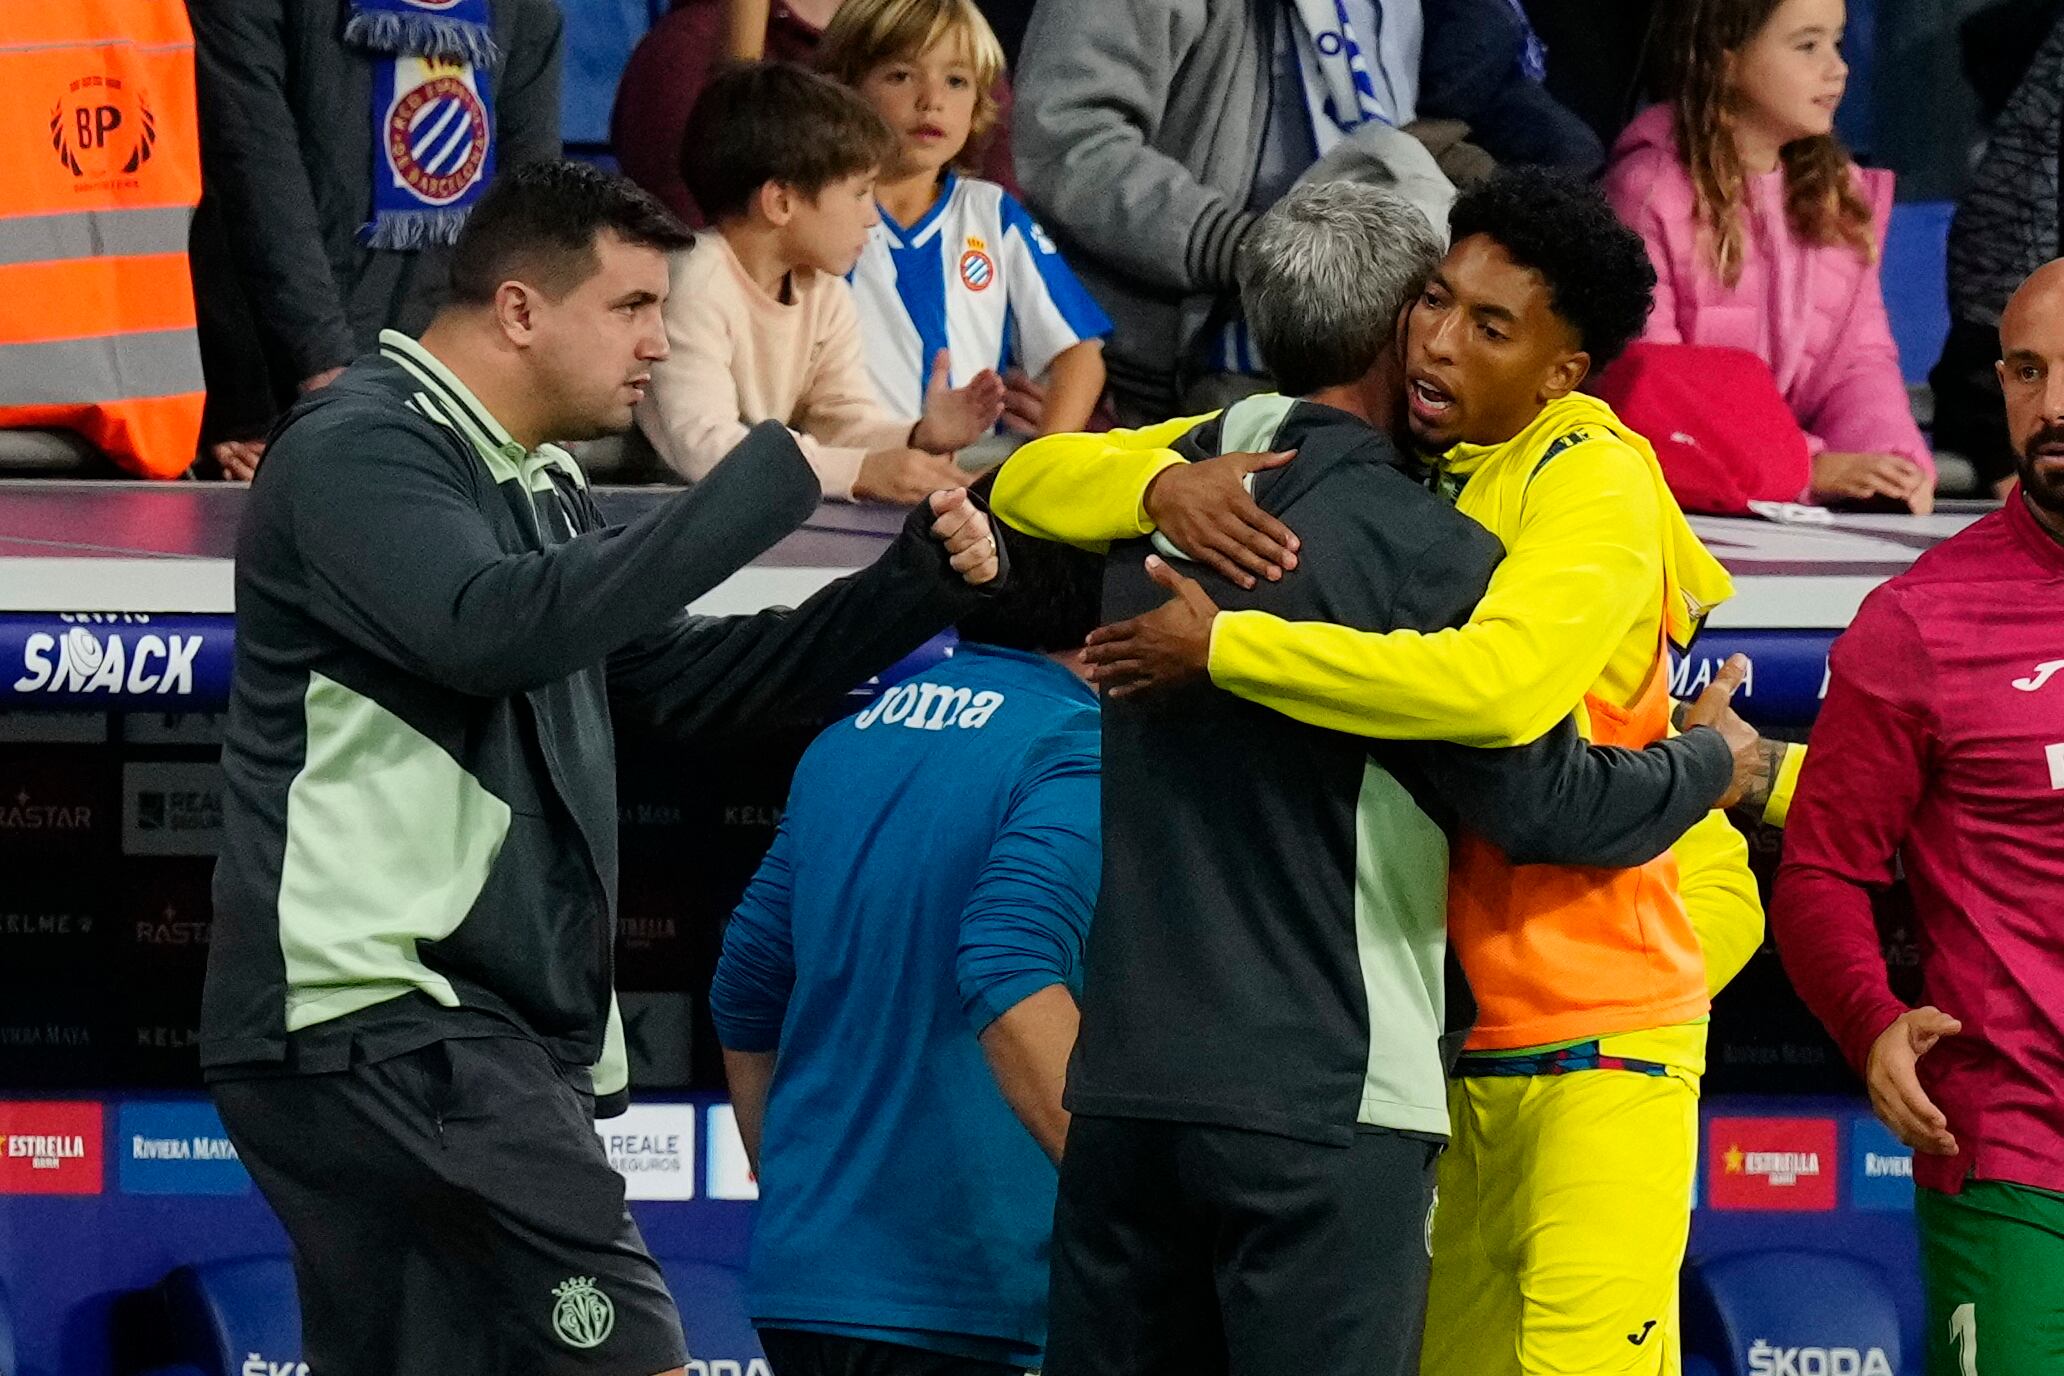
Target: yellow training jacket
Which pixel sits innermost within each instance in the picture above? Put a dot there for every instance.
(1597, 553)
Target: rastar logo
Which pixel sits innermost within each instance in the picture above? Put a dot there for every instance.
(50, 1148)
(1772, 1163)
(113, 660)
(168, 928)
(23, 813)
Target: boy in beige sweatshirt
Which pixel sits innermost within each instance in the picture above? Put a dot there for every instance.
(760, 322)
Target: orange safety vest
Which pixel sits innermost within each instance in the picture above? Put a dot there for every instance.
(1555, 953)
(104, 170)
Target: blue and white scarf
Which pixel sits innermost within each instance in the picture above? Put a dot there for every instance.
(433, 116)
(1340, 87)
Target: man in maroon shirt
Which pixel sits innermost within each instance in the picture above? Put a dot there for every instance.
(1939, 751)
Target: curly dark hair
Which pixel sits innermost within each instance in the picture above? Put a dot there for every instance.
(1598, 274)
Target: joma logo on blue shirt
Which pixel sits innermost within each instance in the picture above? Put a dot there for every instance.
(932, 707)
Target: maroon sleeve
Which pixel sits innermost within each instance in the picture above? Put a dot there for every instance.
(997, 164)
(667, 71)
(1862, 780)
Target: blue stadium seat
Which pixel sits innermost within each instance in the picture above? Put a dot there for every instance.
(222, 1313)
(711, 1297)
(1915, 273)
(1699, 1366)
(1759, 1311)
(7, 1366)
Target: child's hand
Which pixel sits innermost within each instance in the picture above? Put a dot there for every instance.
(1839, 477)
(955, 417)
(904, 477)
(1024, 403)
(238, 459)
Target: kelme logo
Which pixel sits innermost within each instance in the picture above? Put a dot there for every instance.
(584, 1315)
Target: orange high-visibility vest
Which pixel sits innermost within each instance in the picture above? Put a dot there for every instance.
(1560, 952)
(102, 150)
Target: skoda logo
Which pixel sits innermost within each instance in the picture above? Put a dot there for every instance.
(584, 1315)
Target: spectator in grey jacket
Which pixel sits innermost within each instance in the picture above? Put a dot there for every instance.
(287, 125)
(1152, 182)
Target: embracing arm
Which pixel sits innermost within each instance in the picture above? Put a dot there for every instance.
(1086, 490)
(1584, 568)
(1559, 801)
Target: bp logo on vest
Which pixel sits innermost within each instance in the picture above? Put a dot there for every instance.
(102, 126)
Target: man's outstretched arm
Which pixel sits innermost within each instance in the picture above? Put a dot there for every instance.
(708, 673)
(410, 570)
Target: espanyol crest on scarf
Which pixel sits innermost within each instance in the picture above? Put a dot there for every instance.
(433, 123)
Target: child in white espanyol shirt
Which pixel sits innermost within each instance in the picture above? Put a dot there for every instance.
(956, 263)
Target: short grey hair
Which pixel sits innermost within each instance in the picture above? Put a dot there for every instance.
(1323, 276)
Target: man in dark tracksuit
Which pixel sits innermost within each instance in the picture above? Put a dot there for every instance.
(409, 1018)
(1258, 1088)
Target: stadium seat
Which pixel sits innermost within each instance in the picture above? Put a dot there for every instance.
(1750, 1313)
(712, 1302)
(7, 1366)
(222, 1314)
(1699, 1366)
(1915, 277)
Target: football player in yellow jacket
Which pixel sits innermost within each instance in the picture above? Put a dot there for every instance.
(1566, 1189)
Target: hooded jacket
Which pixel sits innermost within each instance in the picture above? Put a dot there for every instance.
(1814, 312)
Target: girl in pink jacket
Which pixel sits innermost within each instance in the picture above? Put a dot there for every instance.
(1766, 236)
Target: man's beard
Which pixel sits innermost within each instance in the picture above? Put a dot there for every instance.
(2046, 491)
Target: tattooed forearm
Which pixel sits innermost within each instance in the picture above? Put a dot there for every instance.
(1771, 754)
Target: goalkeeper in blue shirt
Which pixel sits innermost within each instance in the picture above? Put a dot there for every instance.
(896, 1000)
